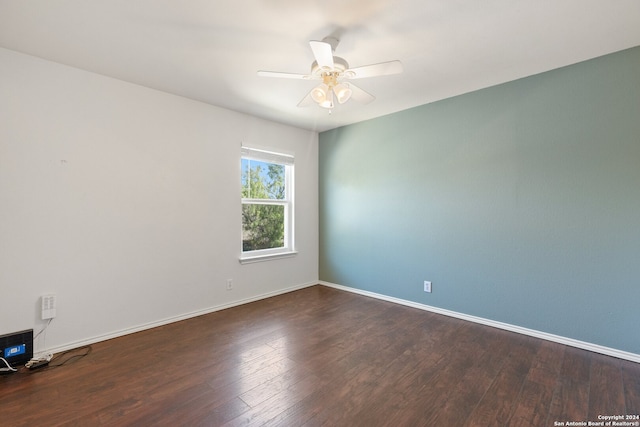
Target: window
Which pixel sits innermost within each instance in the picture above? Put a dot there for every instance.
(267, 204)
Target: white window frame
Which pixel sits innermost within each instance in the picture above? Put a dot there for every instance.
(287, 160)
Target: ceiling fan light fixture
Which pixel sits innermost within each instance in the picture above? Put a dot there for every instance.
(343, 92)
(328, 101)
(319, 93)
(331, 72)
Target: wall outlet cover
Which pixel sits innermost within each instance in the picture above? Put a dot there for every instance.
(48, 306)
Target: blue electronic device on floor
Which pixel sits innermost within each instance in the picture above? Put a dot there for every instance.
(16, 348)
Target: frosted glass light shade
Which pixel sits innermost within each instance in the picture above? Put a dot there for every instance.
(319, 93)
(343, 92)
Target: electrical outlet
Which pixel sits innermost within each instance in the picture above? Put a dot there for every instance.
(48, 306)
(427, 286)
(229, 284)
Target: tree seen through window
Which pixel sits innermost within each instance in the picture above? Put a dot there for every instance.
(264, 203)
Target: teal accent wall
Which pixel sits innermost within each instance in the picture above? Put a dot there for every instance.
(521, 202)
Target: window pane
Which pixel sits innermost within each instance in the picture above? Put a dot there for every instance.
(262, 227)
(262, 180)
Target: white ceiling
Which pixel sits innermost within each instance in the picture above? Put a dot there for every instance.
(210, 50)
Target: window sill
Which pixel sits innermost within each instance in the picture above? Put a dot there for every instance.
(249, 259)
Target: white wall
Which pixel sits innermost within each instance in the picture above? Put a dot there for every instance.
(124, 202)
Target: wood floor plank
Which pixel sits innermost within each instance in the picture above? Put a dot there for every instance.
(460, 402)
(497, 405)
(321, 356)
(631, 384)
(403, 378)
(437, 389)
(606, 392)
(571, 397)
(534, 402)
(276, 404)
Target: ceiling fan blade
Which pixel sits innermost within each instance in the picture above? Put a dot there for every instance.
(360, 95)
(278, 74)
(323, 52)
(373, 70)
(307, 100)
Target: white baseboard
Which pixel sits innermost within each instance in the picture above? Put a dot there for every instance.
(168, 320)
(506, 326)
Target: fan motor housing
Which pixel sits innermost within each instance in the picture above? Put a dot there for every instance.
(339, 66)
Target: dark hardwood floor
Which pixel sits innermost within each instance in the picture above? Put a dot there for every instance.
(320, 356)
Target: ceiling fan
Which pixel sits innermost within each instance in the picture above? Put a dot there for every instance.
(334, 74)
